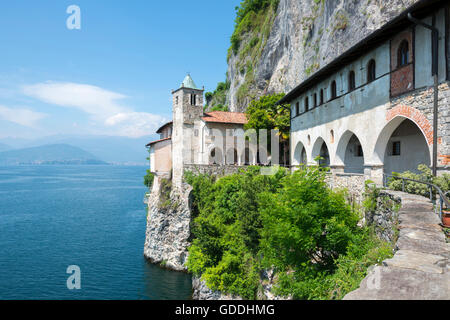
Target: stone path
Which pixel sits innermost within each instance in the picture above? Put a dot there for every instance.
(419, 269)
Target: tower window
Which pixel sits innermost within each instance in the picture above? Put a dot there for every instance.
(193, 99)
(176, 100)
(371, 71)
(403, 54)
(306, 104)
(396, 148)
(333, 90)
(351, 81)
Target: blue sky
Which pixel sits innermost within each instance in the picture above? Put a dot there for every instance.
(115, 75)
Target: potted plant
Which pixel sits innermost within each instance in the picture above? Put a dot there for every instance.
(446, 218)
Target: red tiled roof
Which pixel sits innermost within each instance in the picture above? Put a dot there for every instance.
(160, 140)
(225, 117)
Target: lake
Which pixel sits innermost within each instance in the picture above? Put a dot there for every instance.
(93, 217)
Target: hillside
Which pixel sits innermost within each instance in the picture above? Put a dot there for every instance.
(279, 43)
(48, 154)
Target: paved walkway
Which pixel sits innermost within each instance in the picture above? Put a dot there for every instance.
(419, 269)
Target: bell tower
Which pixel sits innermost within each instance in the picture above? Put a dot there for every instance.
(187, 111)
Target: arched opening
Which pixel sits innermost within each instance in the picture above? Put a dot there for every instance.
(351, 81)
(406, 149)
(320, 149)
(371, 71)
(333, 90)
(403, 54)
(350, 153)
(248, 157)
(232, 157)
(215, 156)
(300, 155)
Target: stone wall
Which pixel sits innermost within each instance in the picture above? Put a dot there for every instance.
(418, 106)
(353, 182)
(219, 170)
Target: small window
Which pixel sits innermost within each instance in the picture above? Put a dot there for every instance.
(297, 108)
(306, 104)
(359, 151)
(193, 99)
(333, 90)
(403, 54)
(396, 148)
(371, 71)
(351, 81)
(315, 100)
(321, 96)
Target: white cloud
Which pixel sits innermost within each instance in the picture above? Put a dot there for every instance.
(109, 116)
(24, 117)
(135, 124)
(90, 99)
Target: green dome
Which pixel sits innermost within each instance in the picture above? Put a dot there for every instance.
(189, 83)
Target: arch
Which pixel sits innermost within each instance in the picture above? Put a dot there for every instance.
(320, 149)
(350, 153)
(406, 136)
(232, 157)
(351, 81)
(371, 71)
(248, 157)
(333, 90)
(403, 54)
(215, 156)
(300, 156)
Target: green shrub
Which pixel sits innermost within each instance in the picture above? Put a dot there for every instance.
(148, 179)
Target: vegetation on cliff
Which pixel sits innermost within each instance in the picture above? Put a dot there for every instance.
(291, 223)
(254, 20)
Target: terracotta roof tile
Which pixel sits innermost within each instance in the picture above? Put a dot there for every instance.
(225, 117)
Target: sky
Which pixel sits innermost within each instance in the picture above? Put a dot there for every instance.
(114, 75)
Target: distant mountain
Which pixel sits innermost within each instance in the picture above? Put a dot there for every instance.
(4, 147)
(108, 148)
(48, 154)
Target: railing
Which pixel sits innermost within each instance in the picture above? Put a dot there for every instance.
(442, 196)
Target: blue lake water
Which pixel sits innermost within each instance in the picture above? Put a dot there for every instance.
(52, 217)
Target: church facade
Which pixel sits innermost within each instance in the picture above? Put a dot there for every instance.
(196, 137)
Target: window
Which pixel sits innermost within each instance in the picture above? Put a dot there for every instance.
(297, 108)
(333, 90)
(315, 100)
(371, 71)
(306, 104)
(351, 81)
(193, 99)
(176, 100)
(321, 96)
(403, 54)
(396, 148)
(359, 151)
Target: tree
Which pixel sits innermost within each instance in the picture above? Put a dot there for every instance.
(265, 113)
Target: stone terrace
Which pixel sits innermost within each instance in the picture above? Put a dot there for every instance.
(419, 269)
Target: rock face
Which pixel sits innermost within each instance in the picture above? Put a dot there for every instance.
(305, 36)
(168, 227)
(419, 269)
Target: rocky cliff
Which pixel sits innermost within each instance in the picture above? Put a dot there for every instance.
(276, 48)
